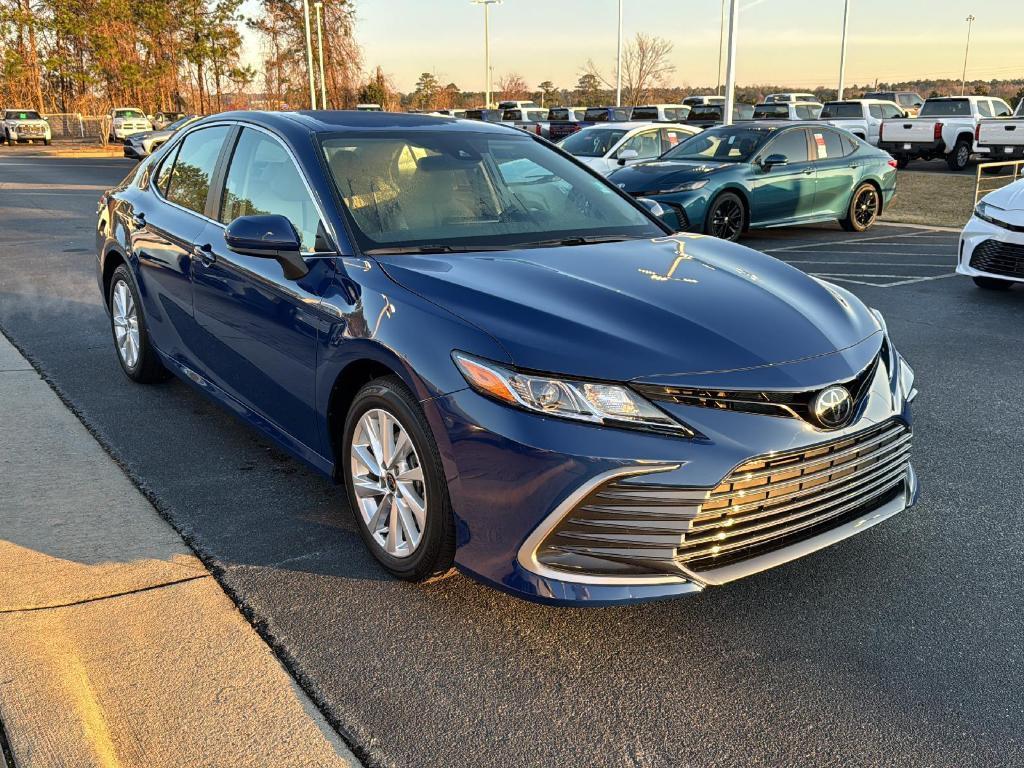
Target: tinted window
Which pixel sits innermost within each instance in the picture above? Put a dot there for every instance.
(1000, 108)
(645, 113)
(461, 188)
(849, 144)
(30, 114)
(791, 144)
(763, 111)
(646, 144)
(263, 179)
(874, 109)
(193, 168)
(828, 144)
(558, 113)
(705, 112)
(946, 108)
(843, 110)
(732, 144)
(512, 114)
(985, 109)
(596, 115)
(592, 142)
(807, 111)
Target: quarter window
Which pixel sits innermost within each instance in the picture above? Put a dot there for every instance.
(261, 180)
(190, 179)
(985, 108)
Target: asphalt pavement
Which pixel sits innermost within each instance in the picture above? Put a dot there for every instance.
(899, 647)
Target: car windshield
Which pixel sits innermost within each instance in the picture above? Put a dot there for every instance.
(463, 190)
(179, 123)
(592, 142)
(22, 114)
(129, 113)
(841, 110)
(729, 144)
(946, 108)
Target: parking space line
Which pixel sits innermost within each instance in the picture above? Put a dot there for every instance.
(830, 243)
(844, 277)
(863, 264)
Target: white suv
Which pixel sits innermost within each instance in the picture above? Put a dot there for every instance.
(125, 121)
(25, 125)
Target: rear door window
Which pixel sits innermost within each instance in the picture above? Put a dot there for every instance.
(808, 111)
(828, 144)
(645, 113)
(189, 184)
(985, 108)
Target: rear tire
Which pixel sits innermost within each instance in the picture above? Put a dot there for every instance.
(397, 481)
(993, 283)
(862, 212)
(139, 360)
(957, 159)
(726, 217)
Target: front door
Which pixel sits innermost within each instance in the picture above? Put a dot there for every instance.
(784, 193)
(258, 328)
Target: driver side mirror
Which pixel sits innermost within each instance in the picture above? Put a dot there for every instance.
(626, 155)
(774, 160)
(268, 237)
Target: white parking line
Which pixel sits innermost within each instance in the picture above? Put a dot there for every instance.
(862, 264)
(829, 243)
(845, 277)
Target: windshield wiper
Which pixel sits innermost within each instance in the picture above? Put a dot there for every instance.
(579, 240)
(430, 248)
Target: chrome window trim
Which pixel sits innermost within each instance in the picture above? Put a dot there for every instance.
(527, 555)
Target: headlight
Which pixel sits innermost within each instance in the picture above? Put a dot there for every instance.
(985, 212)
(609, 404)
(906, 378)
(687, 186)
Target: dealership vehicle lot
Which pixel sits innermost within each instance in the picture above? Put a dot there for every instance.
(898, 647)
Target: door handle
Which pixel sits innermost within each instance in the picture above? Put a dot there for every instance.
(204, 253)
(138, 219)
(808, 171)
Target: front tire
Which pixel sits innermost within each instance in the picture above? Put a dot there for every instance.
(957, 159)
(395, 482)
(993, 283)
(863, 210)
(139, 360)
(726, 217)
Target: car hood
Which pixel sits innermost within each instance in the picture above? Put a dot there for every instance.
(138, 137)
(656, 174)
(1009, 198)
(665, 308)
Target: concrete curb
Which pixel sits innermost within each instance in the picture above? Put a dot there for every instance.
(117, 647)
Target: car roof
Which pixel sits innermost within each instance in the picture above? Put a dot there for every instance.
(327, 121)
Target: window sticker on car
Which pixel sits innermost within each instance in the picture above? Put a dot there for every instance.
(819, 139)
(673, 138)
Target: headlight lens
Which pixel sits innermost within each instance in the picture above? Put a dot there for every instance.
(906, 379)
(686, 186)
(609, 404)
(985, 212)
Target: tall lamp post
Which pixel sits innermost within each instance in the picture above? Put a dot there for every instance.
(721, 44)
(967, 50)
(730, 66)
(618, 62)
(318, 5)
(842, 52)
(487, 49)
(309, 56)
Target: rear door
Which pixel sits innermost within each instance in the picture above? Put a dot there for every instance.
(259, 328)
(163, 219)
(836, 172)
(784, 193)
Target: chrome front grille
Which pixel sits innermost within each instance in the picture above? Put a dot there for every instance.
(628, 526)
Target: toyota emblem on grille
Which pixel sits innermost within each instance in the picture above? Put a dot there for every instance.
(832, 407)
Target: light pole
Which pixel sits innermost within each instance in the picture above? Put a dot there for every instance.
(967, 50)
(730, 66)
(721, 44)
(318, 5)
(618, 62)
(487, 49)
(842, 53)
(309, 56)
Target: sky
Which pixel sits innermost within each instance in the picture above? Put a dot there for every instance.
(791, 42)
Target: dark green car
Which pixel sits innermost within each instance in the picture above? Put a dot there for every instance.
(726, 180)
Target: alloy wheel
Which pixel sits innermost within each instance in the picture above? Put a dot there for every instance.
(126, 324)
(865, 209)
(963, 154)
(727, 220)
(387, 478)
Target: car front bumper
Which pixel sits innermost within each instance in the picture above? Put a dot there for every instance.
(514, 477)
(690, 208)
(989, 250)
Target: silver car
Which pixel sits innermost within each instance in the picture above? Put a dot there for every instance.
(140, 145)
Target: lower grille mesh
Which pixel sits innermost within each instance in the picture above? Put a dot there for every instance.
(999, 258)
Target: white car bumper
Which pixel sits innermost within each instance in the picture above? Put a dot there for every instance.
(996, 251)
(123, 132)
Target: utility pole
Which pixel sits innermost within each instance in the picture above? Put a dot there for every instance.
(309, 56)
(487, 49)
(730, 66)
(320, 52)
(842, 54)
(618, 62)
(967, 50)
(721, 44)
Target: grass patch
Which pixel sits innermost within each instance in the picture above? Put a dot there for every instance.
(933, 199)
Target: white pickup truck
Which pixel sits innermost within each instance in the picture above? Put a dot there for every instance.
(24, 125)
(1004, 139)
(945, 128)
(861, 117)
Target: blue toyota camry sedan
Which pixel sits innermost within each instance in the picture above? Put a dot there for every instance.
(766, 174)
(510, 365)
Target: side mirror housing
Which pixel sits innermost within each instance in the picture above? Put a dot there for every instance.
(268, 237)
(774, 160)
(626, 155)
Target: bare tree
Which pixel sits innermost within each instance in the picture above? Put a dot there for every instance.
(512, 87)
(646, 64)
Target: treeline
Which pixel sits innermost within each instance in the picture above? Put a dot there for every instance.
(183, 55)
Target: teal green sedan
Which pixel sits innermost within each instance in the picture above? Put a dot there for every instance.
(727, 180)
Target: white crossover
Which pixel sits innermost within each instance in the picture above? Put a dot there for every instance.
(992, 243)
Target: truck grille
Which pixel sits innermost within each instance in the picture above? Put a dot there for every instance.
(31, 130)
(631, 527)
(999, 258)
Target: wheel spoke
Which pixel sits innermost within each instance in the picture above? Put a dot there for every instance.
(376, 520)
(386, 433)
(392, 542)
(412, 500)
(367, 489)
(411, 526)
(402, 446)
(365, 456)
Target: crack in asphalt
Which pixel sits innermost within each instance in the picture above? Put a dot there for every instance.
(100, 598)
